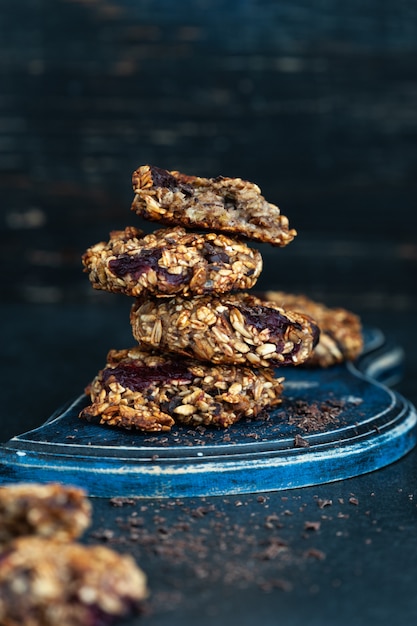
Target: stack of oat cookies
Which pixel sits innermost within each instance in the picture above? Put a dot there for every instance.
(206, 349)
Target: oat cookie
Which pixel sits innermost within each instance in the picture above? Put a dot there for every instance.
(151, 392)
(232, 329)
(50, 510)
(43, 583)
(340, 330)
(171, 261)
(228, 205)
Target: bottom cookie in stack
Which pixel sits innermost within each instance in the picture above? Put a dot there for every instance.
(150, 392)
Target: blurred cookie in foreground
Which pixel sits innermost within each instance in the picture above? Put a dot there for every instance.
(45, 510)
(171, 261)
(228, 205)
(231, 329)
(340, 330)
(139, 390)
(43, 583)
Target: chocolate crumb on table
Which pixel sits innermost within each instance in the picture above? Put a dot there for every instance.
(312, 416)
(300, 442)
(245, 541)
(228, 205)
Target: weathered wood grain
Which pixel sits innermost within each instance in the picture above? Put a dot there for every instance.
(316, 102)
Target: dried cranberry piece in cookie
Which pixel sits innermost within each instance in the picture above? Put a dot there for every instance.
(136, 264)
(138, 377)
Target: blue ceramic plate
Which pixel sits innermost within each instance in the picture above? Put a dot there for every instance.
(332, 424)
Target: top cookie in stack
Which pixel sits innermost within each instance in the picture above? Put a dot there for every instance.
(206, 347)
(226, 205)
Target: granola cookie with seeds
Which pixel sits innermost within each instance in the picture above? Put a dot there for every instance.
(341, 336)
(43, 583)
(45, 510)
(150, 392)
(228, 205)
(232, 329)
(171, 261)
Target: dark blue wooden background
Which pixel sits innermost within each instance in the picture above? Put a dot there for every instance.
(316, 101)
